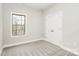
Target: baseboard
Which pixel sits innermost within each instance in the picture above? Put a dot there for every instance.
(1, 51)
(63, 47)
(10, 45)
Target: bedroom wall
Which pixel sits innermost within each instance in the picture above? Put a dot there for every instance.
(53, 17)
(69, 38)
(71, 26)
(34, 23)
(0, 28)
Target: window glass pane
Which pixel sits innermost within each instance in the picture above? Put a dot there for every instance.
(18, 18)
(18, 22)
(18, 27)
(22, 28)
(22, 22)
(22, 18)
(19, 32)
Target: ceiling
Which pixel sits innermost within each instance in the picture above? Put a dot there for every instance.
(39, 6)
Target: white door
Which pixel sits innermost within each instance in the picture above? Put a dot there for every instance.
(54, 27)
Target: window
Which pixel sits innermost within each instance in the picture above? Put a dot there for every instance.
(18, 24)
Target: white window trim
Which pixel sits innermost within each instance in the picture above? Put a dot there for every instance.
(11, 25)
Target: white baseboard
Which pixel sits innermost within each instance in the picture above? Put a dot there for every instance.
(63, 47)
(1, 51)
(10, 45)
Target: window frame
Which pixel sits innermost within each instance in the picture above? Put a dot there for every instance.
(12, 25)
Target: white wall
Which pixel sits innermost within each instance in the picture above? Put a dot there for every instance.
(0, 28)
(34, 25)
(71, 27)
(70, 20)
(53, 17)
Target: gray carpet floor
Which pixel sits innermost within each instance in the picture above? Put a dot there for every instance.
(38, 48)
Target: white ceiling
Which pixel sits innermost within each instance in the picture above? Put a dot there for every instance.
(39, 6)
